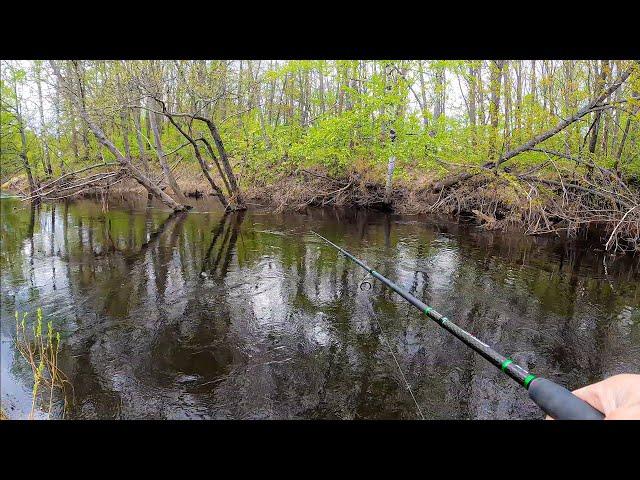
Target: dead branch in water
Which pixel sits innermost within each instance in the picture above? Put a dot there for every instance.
(570, 204)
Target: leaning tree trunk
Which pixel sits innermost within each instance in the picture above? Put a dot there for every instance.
(171, 180)
(140, 177)
(203, 165)
(238, 201)
(543, 136)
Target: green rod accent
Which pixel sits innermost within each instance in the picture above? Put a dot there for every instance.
(528, 380)
(575, 409)
(505, 364)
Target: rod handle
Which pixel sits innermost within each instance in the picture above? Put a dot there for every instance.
(559, 403)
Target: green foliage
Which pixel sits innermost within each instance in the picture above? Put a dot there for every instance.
(276, 117)
(40, 350)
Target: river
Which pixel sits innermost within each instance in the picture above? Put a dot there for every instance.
(250, 316)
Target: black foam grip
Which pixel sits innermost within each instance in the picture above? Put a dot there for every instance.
(559, 403)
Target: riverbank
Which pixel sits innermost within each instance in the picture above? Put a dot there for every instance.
(540, 205)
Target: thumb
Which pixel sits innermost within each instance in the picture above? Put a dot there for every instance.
(592, 394)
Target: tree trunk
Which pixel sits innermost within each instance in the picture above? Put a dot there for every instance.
(423, 95)
(58, 108)
(79, 70)
(72, 116)
(391, 86)
(340, 86)
(596, 122)
(23, 143)
(518, 106)
(569, 104)
(322, 104)
(259, 105)
(224, 159)
(124, 115)
(203, 165)
(480, 96)
(507, 107)
(532, 103)
(124, 124)
(388, 189)
(140, 177)
(137, 121)
(471, 85)
(47, 159)
(171, 180)
(496, 67)
(272, 95)
(439, 94)
(625, 134)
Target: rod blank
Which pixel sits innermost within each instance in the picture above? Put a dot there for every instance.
(553, 399)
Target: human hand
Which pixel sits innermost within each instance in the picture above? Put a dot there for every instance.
(618, 397)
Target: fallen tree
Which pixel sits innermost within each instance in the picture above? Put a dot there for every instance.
(568, 201)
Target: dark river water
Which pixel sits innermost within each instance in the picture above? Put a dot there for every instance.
(249, 316)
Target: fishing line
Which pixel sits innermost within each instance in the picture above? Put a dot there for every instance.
(553, 399)
(383, 335)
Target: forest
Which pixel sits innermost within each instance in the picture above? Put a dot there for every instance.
(544, 146)
(282, 239)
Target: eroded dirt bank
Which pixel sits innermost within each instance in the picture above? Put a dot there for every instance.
(492, 201)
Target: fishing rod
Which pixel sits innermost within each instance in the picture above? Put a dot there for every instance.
(555, 400)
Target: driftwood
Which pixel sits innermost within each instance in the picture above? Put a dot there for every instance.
(39, 192)
(569, 200)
